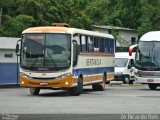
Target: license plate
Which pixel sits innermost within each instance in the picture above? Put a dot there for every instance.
(150, 80)
(43, 83)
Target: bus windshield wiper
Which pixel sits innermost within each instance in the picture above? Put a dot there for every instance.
(53, 61)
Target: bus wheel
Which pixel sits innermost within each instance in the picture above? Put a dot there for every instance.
(152, 86)
(100, 86)
(106, 81)
(75, 91)
(126, 80)
(34, 91)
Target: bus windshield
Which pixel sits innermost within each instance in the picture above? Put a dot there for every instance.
(121, 62)
(148, 55)
(46, 51)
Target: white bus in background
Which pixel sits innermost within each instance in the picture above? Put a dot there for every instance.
(60, 57)
(123, 64)
(147, 60)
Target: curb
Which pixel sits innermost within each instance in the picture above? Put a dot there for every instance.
(125, 84)
(137, 84)
(134, 84)
(10, 86)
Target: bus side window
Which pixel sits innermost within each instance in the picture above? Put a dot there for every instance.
(90, 44)
(83, 43)
(111, 45)
(106, 45)
(87, 43)
(102, 45)
(96, 44)
(76, 48)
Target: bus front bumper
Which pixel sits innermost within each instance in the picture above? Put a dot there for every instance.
(63, 83)
(146, 80)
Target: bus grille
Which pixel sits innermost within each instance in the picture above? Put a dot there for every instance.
(43, 78)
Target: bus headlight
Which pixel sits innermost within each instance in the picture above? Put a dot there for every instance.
(66, 83)
(63, 76)
(25, 76)
(22, 82)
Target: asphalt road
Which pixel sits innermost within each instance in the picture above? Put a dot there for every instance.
(116, 99)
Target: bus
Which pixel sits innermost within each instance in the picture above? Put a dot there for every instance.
(147, 60)
(61, 57)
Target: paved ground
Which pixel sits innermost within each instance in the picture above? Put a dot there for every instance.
(116, 99)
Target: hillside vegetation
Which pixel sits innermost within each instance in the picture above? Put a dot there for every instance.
(17, 15)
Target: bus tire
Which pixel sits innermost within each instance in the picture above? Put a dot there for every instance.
(34, 91)
(131, 81)
(106, 80)
(152, 86)
(100, 86)
(75, 91)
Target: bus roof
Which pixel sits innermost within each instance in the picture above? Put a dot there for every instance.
(151, 36)
(46, 29)
(53, 29)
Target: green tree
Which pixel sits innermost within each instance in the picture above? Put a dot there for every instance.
(141, 15)
(17, 24)
(150, 19)
(79, 16)
(4, 4)
(127, 13)
(55, 10)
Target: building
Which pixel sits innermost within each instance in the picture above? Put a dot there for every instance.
(8, 60)
(124, 36)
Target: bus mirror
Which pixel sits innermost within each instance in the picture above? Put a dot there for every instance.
(132, 49)
(17, 48)
(130, 52)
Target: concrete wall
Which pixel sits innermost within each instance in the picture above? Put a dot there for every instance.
(126, 36)
(8, 61)
(101, 30)
(8, 67)
(8, 73)
(4, 58)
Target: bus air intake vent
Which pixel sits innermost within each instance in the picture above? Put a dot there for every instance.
(60, 25)
(43, 78)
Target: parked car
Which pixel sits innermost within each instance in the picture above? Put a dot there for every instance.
(123, 65)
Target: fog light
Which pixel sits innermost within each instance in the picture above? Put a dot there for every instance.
(66, 83)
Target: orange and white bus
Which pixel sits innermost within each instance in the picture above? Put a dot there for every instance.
(60, 57)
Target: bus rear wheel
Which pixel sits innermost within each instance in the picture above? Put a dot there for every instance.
(152, 86)
(75, 91)
(34, 91)
(100, 86)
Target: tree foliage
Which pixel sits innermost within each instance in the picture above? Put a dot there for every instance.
(17, 15)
